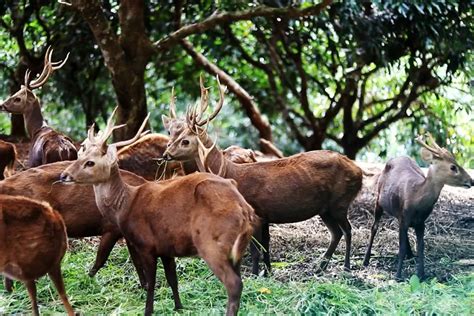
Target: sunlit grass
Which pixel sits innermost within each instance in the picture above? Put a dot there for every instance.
(115, 290)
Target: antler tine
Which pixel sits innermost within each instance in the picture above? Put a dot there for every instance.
(137, 135)
(420, 141)
(204, 102)
(433, 142)
(38, 82)
(218, 107)
(59, 64)
(109, 128)
(173, 105)
(27, 77)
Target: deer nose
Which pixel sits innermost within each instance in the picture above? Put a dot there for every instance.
(166, 156)
(64, 177)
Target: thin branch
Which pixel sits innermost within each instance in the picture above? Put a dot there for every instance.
(245, 99)
(224, 18)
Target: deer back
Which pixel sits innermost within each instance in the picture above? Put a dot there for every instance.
(48, 145)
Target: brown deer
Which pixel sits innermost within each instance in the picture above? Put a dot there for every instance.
(47, 145)
(75, 203)
(142, 158)
(403, 191)
(285, 190)
(240, 155)
(199, 214)
(33, 241)
(7, 158)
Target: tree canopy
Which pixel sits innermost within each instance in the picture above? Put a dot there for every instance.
(353, 76)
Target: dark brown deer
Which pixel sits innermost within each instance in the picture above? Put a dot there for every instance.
(33, 241)
(142, 158)
(7, 159)
(47, 145)
(75, 203)
(199, 214)
(285, 190)
(240, 155)
(403, 191)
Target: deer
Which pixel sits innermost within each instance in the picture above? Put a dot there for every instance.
(143, 157)
(47, 144)
(285, 190)
(75, 203)
(7, 158)
(403, 191)
(198, 214)
(33, 241)
(240, 155)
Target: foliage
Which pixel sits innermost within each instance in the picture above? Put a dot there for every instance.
(115, 291)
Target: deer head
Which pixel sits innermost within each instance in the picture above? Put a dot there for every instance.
(444, 164)
(96, 159)
(23, 99)
(185, 133)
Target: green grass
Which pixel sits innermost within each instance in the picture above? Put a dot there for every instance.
(115, 291)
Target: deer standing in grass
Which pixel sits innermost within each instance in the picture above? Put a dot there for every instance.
(47, 145)
(403, 191)
(32, 243)
(285, 190)
(198, 214)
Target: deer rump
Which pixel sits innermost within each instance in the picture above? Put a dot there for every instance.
(49, 146)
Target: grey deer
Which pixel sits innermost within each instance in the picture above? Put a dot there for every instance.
(403, 191)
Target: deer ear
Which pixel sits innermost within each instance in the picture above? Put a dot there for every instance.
(166, 121)
(112, 154)
(428, 156)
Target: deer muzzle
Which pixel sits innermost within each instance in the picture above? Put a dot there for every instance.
(66, 178)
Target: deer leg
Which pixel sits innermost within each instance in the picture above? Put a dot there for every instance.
(137, 263)
(226, 273)
(31, 286)
(169, 265)
(375, 226)
(107, 242)
(266, 246)
(336, 235)
(55, 275)
(420, 248)
(255, 248)
(8, 283)
(346, 228)
(149, 266)
(402, 237)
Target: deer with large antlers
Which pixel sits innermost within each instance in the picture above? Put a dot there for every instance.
(285, 190)
(198, 214)
(403, 191)
(47, 145)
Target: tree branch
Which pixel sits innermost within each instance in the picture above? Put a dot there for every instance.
(245, 99)
(224, 18)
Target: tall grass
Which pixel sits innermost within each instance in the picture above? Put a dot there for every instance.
(115, 290)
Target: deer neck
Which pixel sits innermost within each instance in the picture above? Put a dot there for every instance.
(215, 161)
(33, 118)
(113, 196)
(430, 189)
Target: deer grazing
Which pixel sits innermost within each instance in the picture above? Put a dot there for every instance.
(403, 191)
(47, 145)
(32, 243)
(7, 158)
(285, 190)
(198, 214)
(75, 203)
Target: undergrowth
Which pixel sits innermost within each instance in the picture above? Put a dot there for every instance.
(115, 291)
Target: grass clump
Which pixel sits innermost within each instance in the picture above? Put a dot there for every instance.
(115, 290)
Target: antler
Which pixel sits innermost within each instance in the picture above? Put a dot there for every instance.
(204, 152)
(173, 104)
(435, 148)
(194, 114)
(101, 137)
(48, 68)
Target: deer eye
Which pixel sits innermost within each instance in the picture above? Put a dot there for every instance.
(17, 99)
(169, 133)
(90, 164)
(454, 168)
(185, 142)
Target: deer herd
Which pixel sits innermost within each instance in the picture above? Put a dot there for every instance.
(206, 202)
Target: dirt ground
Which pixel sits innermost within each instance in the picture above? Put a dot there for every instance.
(296, 249)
